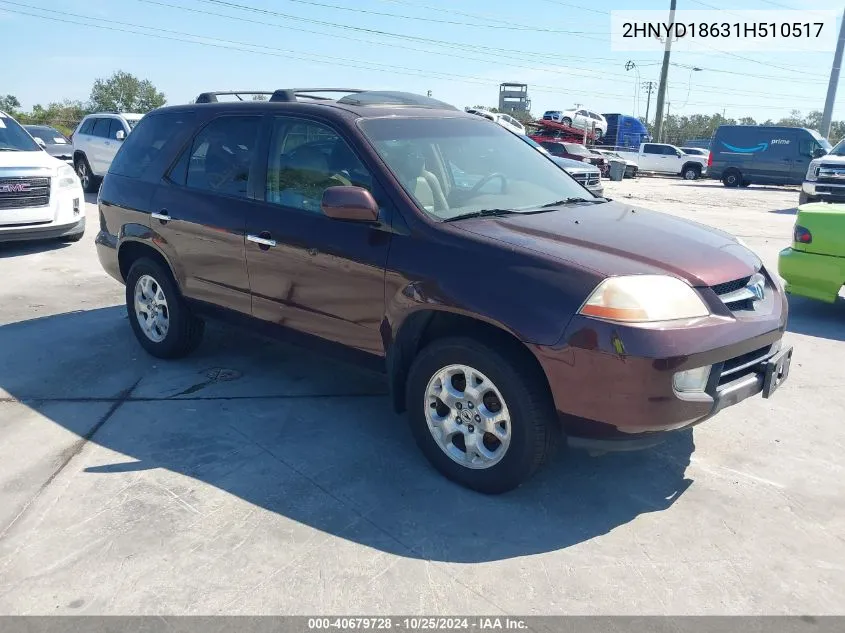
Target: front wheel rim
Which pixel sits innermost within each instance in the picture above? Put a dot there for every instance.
(467, 417)
(151, 309)
(82, 172)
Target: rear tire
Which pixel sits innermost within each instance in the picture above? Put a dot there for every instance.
(732, 178)
(691, 172)
(159, 315)
(89, 181)
(566, 121)
(527, 420)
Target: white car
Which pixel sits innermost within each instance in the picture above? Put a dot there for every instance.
(40, 196)
(95, 143)
(579, 118)
(505, 120)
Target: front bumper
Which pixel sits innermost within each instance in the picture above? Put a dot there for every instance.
(43, 232)
(812, 275)
(824, 191)
(613, 384)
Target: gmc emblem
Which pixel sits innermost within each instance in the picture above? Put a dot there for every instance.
(15, 187)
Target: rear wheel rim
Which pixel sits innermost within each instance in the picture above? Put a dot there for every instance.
(151, 309)
(467, 417)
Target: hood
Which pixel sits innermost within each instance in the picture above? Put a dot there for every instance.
(38, 158)
(568, 164)
(59, 150)
(618, 239)
(830, 159)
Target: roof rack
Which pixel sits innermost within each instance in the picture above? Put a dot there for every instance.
(211, 97)
(290, 94)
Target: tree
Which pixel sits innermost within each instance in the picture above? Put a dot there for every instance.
(123, 92)
(9, 103)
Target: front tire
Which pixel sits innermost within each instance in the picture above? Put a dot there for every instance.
(483, 419)
(566, 121)
(86, 176)
(804, 198)
(159, 315)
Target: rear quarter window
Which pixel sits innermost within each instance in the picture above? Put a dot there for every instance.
(154, 139)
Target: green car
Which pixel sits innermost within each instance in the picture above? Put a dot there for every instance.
(814, 266)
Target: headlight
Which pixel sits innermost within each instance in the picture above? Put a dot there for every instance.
(67, 178)
(813, 171)
(644, 299)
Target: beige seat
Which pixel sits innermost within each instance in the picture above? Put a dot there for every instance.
(422, 184)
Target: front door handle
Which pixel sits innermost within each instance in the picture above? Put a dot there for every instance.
(262, 239)
(162, 215)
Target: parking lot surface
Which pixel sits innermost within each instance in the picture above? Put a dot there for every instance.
(255, 478)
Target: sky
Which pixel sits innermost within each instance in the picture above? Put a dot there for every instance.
(460, 50)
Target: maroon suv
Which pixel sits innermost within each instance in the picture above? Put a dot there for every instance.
(508, 306)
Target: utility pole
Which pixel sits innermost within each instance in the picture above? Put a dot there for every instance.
(649, 86)
(834, 80)
(664, 74)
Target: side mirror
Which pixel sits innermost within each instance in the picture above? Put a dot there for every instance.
(120, 135)
(819, 152)
(353, 204)
(679, 154)
(40, 141)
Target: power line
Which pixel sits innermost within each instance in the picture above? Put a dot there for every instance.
(286, 53)
(497, 56)
(508, 27)
(576, 6)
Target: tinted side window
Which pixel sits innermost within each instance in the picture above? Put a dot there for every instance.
(305, 159)
(101, 128)
(221, 155)
(648, 148)
(670, 151)
(114, 126)
(807, 146)
(87, 126)
(148, 140)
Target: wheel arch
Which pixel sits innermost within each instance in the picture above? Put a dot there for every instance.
(130, 250)
(695, 165)
(424, 326)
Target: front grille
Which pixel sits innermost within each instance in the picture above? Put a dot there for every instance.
(587, 179)
(742, 365)
(20, 193)
(730, 286)
(734, 294)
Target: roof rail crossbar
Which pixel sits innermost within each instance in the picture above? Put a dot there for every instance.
(211, 97)
(290, 94)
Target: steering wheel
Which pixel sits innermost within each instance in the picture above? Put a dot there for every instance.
(474, 191)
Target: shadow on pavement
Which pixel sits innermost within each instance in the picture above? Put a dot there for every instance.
(789, 211)
(817, 318)
(17, 249)
(310, 439)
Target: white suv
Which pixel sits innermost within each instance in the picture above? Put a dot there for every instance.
(579, 118)
(505, 120)
(40, 196)
(95, 143)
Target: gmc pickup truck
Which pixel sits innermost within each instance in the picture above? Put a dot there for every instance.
(666, 159)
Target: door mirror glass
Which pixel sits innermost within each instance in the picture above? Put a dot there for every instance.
(354, 204)
(40, 141)
(120, 135)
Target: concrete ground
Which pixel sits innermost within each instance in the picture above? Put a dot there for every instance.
(257, 478)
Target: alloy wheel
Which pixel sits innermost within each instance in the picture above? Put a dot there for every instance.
(151, 309)
(467, 416)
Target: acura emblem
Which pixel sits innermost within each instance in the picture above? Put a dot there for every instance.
(757, 286)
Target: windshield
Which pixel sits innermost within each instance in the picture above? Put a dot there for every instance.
(577, 150)
(13, 138)
(838, 149)
(823, 141)
(456, 166)
(49, 135)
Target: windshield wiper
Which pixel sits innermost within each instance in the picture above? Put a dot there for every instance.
(561, 203)
(484, 213)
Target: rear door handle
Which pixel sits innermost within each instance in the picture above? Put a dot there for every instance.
(162, 215)
(262, 241)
